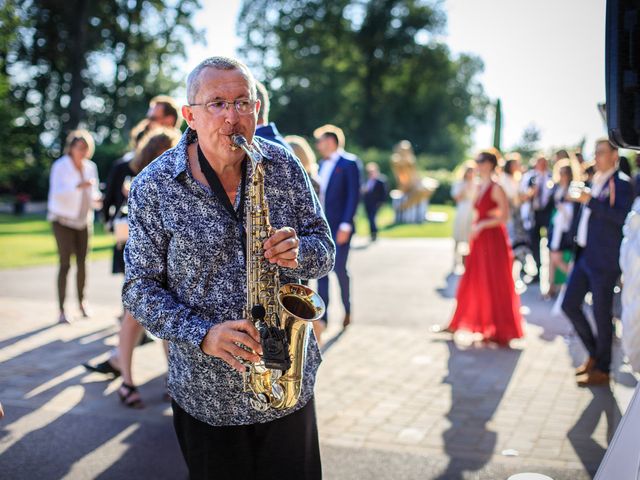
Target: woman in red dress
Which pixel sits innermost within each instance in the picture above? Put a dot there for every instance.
(487, 299)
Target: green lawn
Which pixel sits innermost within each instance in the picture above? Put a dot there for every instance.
(28, 240)
(389, 230)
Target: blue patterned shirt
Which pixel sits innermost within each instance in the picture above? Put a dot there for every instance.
(185, 272)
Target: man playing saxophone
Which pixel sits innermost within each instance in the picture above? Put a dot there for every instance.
(186, 279)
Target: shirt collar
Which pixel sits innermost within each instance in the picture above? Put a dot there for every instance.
(335, 156)
(181, 155)
(601, 177)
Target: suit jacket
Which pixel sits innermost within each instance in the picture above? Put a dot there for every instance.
(113, 198)
(271, 133)
(608, 213)
(377, 195)
(343, 193)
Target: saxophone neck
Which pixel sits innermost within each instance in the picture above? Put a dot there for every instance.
(253, 150)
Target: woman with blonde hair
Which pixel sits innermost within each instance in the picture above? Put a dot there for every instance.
(304, 152)
(73, 193)
(151, 146)
(463, 192)
(114, 198)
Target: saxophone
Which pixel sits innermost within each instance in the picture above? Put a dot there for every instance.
(281, 314)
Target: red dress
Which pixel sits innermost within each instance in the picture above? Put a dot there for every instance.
(487, 299)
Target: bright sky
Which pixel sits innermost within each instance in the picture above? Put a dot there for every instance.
(543, 59)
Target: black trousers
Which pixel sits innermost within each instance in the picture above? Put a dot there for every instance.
(372, 211)
(541, 220)
(344, 280)
(600, 284)
(283, 449)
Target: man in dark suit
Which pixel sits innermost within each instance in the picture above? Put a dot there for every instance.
(339, 194)
(538, 186)
(374, 195)
(264, 129)
(597, 268)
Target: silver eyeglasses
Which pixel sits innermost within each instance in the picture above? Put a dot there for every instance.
(216, 107)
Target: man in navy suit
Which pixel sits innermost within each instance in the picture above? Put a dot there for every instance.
(596, 270)
(374, 195)
(339, 194)
(264, 129)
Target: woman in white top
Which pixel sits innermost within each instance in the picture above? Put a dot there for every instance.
(464, 193)
(73, 190)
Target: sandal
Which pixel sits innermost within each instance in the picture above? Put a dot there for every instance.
(129, 396)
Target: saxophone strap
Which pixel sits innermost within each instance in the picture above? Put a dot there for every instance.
(218, 191)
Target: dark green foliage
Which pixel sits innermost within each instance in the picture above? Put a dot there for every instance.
(85, 63)
(497, 126)
(376, 68)
(20, 166)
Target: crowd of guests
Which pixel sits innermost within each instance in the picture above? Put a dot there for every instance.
(575, 209)
(177, 259)
(319, 213)
(506, 215)
(338, 180)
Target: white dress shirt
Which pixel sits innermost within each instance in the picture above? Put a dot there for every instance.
(599, 182)
(545, 186)
(326, 170)
(327, 167)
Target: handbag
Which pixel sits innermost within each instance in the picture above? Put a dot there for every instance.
(121, 226)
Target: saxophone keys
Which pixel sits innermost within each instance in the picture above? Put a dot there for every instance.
(277, 392)
(260, 402)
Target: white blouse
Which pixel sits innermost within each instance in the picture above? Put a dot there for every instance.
(66, 201)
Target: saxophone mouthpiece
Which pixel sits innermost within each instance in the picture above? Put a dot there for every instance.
(239, 140)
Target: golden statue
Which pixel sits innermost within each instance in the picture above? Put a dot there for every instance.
(411, 199)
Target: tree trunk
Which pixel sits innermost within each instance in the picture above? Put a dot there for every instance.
(78, 62)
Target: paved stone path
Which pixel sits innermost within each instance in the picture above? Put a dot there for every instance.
(394, 400)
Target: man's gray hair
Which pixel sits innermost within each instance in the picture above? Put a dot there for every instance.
(219, 63)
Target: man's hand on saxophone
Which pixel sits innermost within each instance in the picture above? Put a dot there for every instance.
(222, 341)
(282, 248)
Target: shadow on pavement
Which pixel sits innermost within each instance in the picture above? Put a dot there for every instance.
(12, 340)
(479, 378)
(449, 290)
(581, 434)
(332, 341)
(60, 422)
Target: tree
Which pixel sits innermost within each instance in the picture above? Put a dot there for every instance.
(94, 64)
(377, 68)
(497, 125)
(528, 144)
(19, 168)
